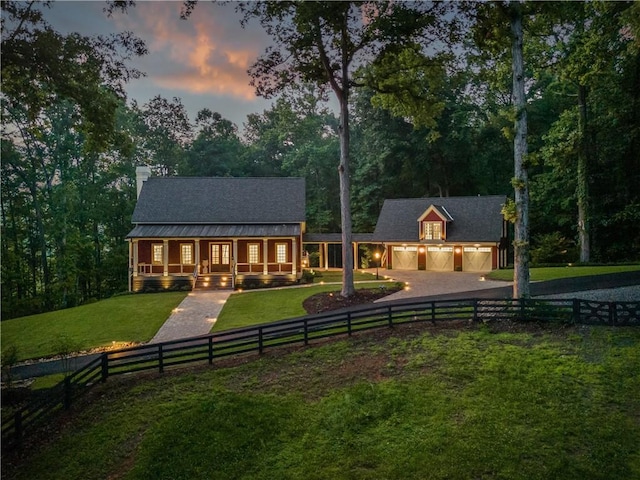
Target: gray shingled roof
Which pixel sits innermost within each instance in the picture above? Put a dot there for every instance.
(221, 200)
(475, 219)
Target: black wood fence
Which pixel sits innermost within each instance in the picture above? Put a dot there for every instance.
(302, 331)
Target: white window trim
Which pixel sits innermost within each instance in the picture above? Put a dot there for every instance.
(190, 254)
(157, 247)
(256, 260)
(279, 252)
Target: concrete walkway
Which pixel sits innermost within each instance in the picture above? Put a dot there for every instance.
(195, 315)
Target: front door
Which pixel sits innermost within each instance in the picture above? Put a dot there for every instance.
(220, 257)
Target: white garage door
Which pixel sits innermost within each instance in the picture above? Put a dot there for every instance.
(405, 258)
(476, 259)
(440, 259)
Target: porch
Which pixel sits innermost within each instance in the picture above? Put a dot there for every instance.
(213, 263)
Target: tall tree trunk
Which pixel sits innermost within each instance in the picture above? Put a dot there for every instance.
(521, 180)
(348, 287)
(582, 187)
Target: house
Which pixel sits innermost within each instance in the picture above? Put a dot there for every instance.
(443, 234)
(213, 232)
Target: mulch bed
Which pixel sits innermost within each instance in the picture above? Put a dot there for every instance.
(325, 302)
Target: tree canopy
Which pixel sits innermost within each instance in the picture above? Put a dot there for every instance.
(423, 119)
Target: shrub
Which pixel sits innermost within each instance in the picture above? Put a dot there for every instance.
(553, 248)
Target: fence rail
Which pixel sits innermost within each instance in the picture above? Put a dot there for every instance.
(304, 330)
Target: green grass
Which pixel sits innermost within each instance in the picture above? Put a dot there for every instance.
(261, 306)
(552, 273)
(450, 405)
(127, 318)
(335, 276)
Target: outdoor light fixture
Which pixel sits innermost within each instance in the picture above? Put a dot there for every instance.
(377, 256)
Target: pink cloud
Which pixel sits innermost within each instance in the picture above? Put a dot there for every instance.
(208, 53)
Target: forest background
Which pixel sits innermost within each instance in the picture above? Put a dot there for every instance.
(71, 140)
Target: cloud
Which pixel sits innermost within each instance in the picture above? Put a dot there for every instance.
(207, 54)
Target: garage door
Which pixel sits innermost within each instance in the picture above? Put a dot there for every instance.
(476, 259)
(405, 258)
(440, 259)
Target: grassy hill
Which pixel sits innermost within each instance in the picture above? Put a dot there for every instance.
(415, 402)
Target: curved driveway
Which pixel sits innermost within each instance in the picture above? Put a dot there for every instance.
(423, 283)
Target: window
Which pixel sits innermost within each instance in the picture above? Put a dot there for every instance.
(157, 253)
(254, 253)
(226, 254)
(186, 254)
(432, 230)
(215, 254)
(281, 253)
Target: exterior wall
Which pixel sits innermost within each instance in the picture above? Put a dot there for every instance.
(147, 276)
(452, 257)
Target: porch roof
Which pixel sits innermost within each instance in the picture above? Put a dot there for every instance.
(335, 237)
(213, 231)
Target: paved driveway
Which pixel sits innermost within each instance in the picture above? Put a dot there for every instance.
(424, 283)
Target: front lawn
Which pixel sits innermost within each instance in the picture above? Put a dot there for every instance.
(406, 403)
(261, 306)
(122, 319)
(551, 273)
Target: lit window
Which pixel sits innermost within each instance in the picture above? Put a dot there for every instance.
(432, 231)
(254, 253)
(158, 250)
(226, 254)
(186, 253)
(281, 253)
(215, 254)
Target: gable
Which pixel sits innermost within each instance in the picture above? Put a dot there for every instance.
(221, 200)
(475, 219)
(436, 213)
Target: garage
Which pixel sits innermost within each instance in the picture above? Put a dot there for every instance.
(440, 259)
(476, 259)
(405, 258)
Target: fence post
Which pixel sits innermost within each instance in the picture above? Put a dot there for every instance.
(210, 350)
(160, 359)
(105, 367)
(306, 332)
(612, 313)
(576, 311)
(67, 393)
(475, 309)
(433, 311)
(260, 346)
(349, 323)
(390, 316)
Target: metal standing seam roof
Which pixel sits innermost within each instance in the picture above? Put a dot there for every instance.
(215, 231)
(220, 200)
(475, 219)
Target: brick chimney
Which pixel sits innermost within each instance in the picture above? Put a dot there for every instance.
(142, 173)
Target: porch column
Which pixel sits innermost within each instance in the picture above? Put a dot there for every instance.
(165, 257)
(294, 255)
(325, 254)
(234, 260)
(265, 256)
(196, 252)
(134, 244)
(355, 255)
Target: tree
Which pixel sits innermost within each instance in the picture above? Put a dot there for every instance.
(324, 43)
(165, 133)
(497, 25)
(41, 66)
(216, 150)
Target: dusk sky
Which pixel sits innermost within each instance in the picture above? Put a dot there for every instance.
(202, 60)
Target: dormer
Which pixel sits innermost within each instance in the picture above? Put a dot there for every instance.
(433, 223)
